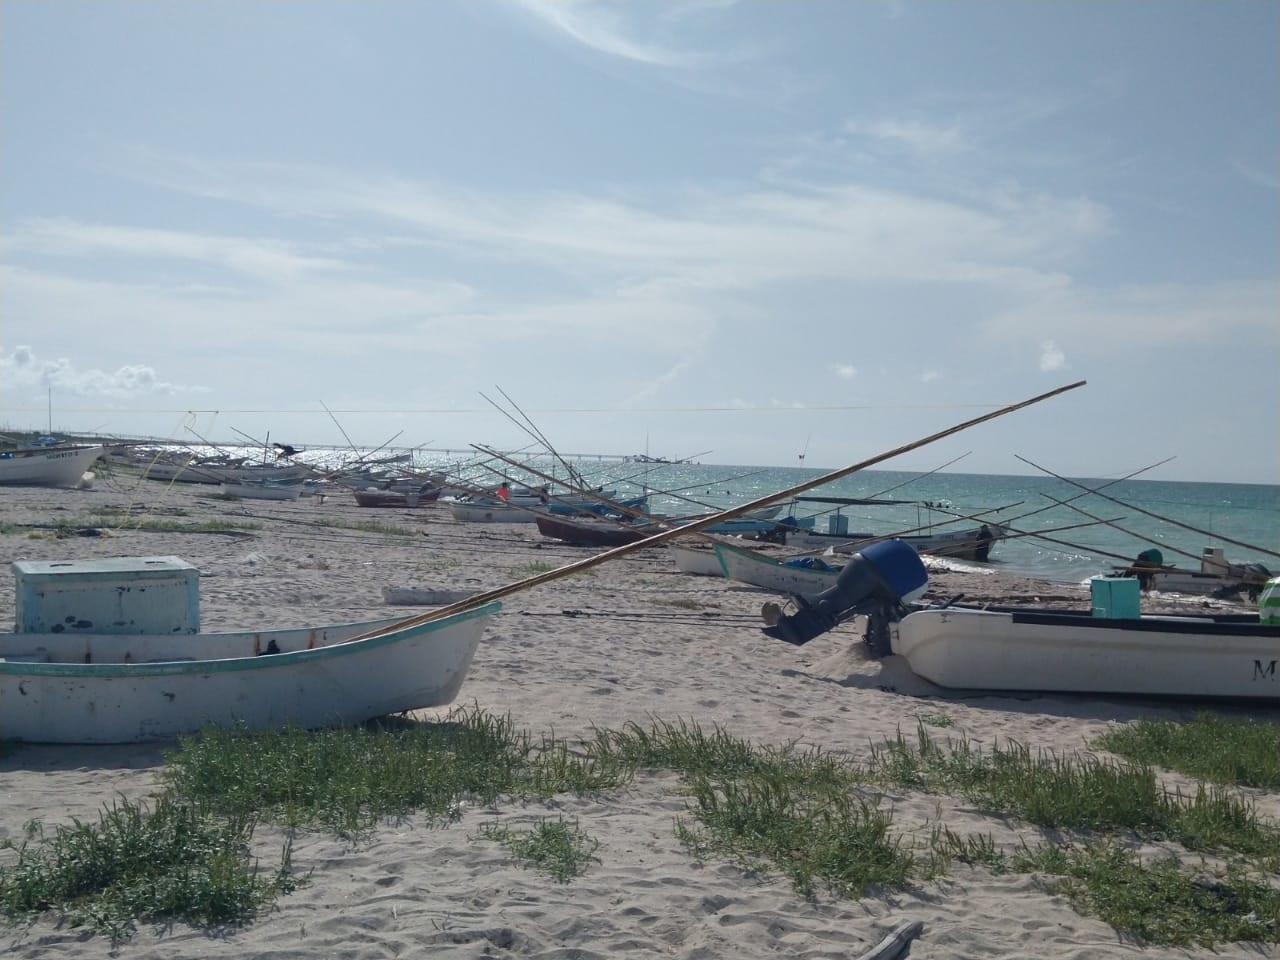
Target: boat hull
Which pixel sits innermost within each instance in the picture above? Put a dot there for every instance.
(699, 561)
(475, 512)
(592, 533)
(48, 467)
(769, 574)
(1078, 653)
(56, 688)
(957, 544)
(395, 498)
(262, 489)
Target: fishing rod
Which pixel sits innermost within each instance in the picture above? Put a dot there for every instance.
(1088, 490)
(1245, 575)
(701, 524)
(532, 430)
(1154, 516)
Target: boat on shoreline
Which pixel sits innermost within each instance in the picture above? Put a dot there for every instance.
(803, 576)
(418, 497)
(48, 466)
(1037, 650)
(283, 490)
(112, 688)
(1216, 577)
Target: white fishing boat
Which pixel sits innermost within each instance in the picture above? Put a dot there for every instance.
(699, 561)
(1111, 648)
(802, 576)
(262, 489)
(109, 688)
(58, 466)
(218, 470)
(1077, 652)
(487, 511)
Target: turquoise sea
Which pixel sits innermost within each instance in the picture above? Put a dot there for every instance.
(1058, 528)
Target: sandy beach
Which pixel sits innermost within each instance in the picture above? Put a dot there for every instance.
(631, 640)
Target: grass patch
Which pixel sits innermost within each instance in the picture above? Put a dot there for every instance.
(1160, 901)
(347, 780)
(135, 865)
(556, 847)
(1244, 753)
(531, 569)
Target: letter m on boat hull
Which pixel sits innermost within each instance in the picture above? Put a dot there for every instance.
(1261, 672)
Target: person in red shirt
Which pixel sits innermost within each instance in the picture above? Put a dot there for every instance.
(504, 492)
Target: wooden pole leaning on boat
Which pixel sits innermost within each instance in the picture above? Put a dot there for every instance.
(694, 526)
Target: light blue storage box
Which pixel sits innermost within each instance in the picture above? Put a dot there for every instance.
(838, 525)
(1116, 597)
(117, 595)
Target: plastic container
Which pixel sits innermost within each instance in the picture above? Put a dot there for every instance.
(1116, 598)
(159, 595)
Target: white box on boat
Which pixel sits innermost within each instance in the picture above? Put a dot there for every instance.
(116, 595)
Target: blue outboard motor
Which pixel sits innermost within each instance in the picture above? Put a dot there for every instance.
(877, 582)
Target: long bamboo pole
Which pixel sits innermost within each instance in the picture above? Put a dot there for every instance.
(663, 536)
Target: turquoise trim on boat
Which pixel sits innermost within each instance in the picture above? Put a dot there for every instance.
(264, 662)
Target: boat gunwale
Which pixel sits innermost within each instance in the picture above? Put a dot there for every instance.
(163, 668)
(1227, 625)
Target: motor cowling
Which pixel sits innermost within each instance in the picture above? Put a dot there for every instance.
(878, 582)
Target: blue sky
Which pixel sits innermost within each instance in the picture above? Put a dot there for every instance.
(754, 228)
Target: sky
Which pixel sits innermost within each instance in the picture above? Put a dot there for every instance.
(749, 232)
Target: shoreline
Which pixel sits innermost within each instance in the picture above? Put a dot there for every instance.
(627, 641)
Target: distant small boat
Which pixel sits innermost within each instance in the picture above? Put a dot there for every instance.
(593, 533)
(396, 498)
(1215, 576)
(699, 561)
(262, 489)
(971, 543)
(489, 511)
(109, 688)
(45, 466)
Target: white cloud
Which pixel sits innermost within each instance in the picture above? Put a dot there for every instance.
(929, 376)
(261, 259)
(917, 136)
(845, 371)
(602, 27)
(21, 369)
(1051, 358)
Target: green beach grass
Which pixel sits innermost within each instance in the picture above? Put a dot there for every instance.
(813, 817)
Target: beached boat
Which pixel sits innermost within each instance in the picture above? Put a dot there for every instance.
(593, 533)
(1037, 650)
(1216, 576)
(1077, 652)
(262, 489)
(57, 466)
(217, 470)
(970, 543)
(108, 688)
(490, 511)
(802, 576)
(419, 497)
(701, 561)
